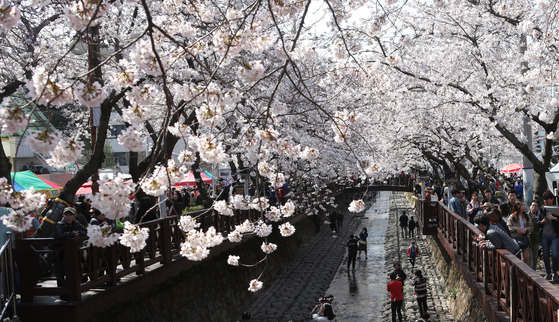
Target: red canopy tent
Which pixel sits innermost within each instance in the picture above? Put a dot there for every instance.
(190, 181)
(512, 168)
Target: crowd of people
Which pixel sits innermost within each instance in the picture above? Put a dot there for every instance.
(498, 210)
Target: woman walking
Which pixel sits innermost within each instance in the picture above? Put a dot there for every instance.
(520, 226)
(420, 287)
(363, 241)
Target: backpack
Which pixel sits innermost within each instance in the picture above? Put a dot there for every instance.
(412, 251)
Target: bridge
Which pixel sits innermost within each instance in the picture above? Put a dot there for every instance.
(505, 287)
(99, 279)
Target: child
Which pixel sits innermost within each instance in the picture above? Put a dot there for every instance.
(396, 299)
(413, 251)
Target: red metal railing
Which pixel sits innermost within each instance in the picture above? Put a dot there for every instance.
(515, 288)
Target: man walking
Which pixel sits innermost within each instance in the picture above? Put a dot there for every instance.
(352, 249)
(404, 224)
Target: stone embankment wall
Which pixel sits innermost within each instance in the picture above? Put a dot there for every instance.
(462, 304)
(214, 290)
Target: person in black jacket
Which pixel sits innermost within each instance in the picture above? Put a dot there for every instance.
(398, 271)
(67, 228)
(404, 224)
(412, 224)
(352, 251)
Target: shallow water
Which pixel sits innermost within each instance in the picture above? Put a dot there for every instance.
(359, 294)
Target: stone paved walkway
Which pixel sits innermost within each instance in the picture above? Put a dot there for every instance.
(437, 300)
(293, 294)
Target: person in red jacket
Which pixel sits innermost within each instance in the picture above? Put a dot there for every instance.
(395, 288)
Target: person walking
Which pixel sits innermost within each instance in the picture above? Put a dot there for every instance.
(412, 251)
(351, 251)
(535, 236)
(412, 225)
(398, 271)
(520, 227)
(420, 289)
(404, 224)
(363, 241)
(395, 288)
(549, 224)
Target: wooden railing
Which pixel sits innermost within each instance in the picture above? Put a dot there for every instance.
(69, 268)
(518, 291)
(78, 268)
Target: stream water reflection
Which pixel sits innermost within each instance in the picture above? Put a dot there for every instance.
(359, 294)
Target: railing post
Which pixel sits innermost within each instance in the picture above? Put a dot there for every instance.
(165, 235)
(484, 269)
(73, 272)
(25, 266)
(12, 295)
(469, 249)
(513, 313)
(112, 255)
(455, 237)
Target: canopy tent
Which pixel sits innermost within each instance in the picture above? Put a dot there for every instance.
(512, 168)
(191, 181)
(25, 180)
(85, 189)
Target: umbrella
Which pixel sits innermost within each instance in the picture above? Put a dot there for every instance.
(512, 168)
(191, 181)
(555, 168)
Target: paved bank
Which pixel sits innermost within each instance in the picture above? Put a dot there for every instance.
(292, 295)
(437, 300)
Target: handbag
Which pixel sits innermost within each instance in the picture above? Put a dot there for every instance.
(362, 242)
(523, 241)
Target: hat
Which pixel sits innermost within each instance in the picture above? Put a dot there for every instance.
(487, 205)
(71, 210)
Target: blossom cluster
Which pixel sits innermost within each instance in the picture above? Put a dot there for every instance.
(12, 117)
(357, 206)
(134, 237)
(101, 235)
(197, 244)
(113, 197)
(65, 153)
(131, 139)
(21, 204)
